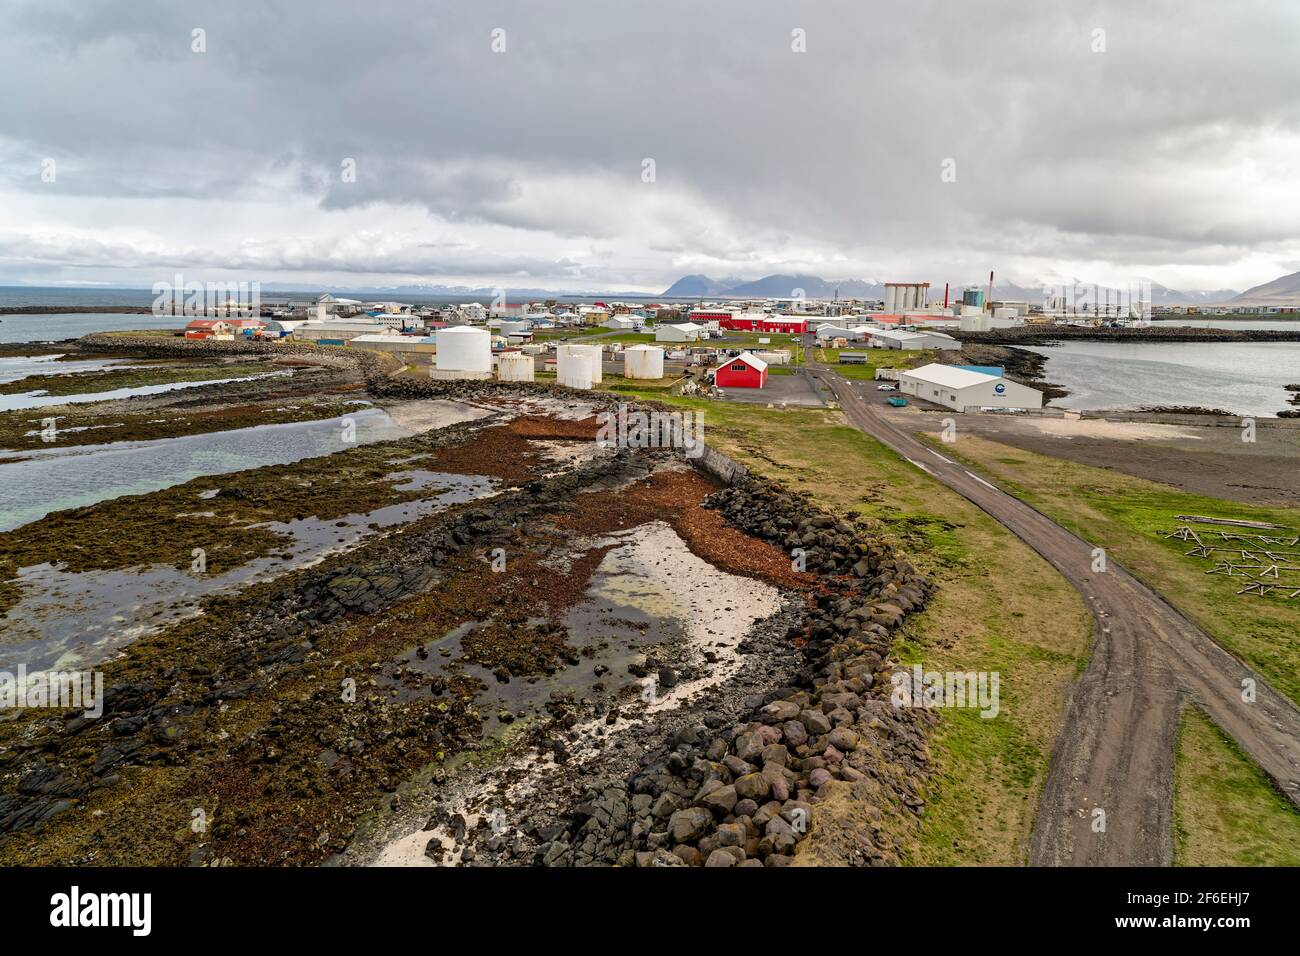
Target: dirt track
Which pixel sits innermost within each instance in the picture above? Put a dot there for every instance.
(1115, 752)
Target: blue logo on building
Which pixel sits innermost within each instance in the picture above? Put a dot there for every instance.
(999, 388)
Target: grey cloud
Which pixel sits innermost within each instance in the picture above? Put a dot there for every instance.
(1104, 155)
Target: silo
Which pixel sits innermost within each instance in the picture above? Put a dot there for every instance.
(568, 353)
(463, 352)
(573, 368)
(891, 298)
(643, 361)
(515, 367)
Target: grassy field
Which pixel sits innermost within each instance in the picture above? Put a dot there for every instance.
(1033, 630)
(1226, 812)
(877, 358)
(1125, 516)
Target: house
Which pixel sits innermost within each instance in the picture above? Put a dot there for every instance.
(221, 328)
(746, 370)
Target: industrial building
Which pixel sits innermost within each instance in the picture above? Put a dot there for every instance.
(921, 339)
(744, 371)
(336, 331)
(388, 342)
(960, 388)
(681, 332)
(906, 295)
(762, 322)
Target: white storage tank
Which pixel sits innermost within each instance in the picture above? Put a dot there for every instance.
(515, 367)
(568, 353)
(574, 368)
(463, 348)
(643, 361)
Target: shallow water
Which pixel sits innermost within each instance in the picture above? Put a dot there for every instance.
(19, 367)
(70, 619)
(24, 400)
(1245, 378)
(41, 481)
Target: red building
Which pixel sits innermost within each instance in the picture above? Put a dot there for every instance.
(757, 322)
(743, 371)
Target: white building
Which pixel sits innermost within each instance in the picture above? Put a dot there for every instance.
(622, 323)
(959, 388)
(896, 339)
(682, 332)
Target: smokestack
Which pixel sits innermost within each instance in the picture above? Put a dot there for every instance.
(945, 296)
(989, 304)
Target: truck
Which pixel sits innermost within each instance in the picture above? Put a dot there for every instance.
(898, 401)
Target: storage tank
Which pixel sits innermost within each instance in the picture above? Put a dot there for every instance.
(574, 368)
(465, 348)
(567, 353)
(515, 367)
(643, 361)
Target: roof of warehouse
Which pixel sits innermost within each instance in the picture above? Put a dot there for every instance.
(949, 376)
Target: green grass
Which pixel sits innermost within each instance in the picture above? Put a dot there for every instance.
(1226, 812)
(876, 358)
(1032, 628)
(1125, 516)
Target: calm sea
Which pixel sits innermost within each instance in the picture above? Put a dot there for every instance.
(1245, 378)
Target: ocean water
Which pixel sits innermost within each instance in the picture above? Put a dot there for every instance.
(1245, 378)
(73, 325)
(37, 482)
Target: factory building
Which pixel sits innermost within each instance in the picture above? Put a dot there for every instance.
(388, 342)
(681, 332)
(336, 331)
(900, 296)
(959, 388)
(762, 322)
(744, 371)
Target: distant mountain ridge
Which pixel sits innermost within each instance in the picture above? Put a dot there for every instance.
(1284, 290)
(782, 286)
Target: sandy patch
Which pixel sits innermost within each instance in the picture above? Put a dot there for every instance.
(426, 415)
(1099, 428)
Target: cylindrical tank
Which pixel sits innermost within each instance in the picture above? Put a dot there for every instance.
(643, 361)
(891, 298)
(567, 353)
(464, 348)
(574, 368)
(515, 367)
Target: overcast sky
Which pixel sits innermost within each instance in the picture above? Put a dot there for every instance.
(1165, 147)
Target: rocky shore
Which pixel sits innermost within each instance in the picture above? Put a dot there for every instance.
(800, 756)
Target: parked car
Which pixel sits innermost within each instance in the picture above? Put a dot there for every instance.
(886, 388)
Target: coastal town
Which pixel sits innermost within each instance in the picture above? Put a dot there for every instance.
(470, 447)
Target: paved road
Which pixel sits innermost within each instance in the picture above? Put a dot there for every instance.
(1115, 752)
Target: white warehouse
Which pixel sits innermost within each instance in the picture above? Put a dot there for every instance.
(681, 332)
(960, 388)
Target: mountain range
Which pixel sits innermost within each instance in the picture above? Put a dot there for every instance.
(815, 287)
(1284, 290)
